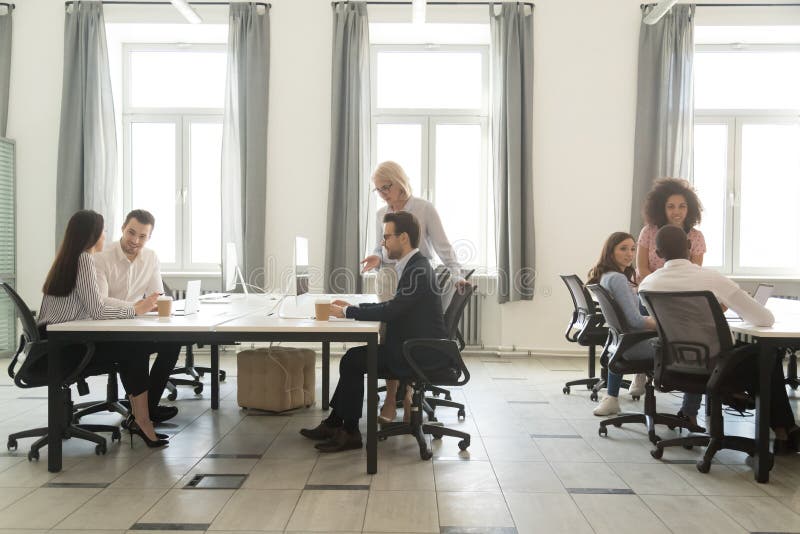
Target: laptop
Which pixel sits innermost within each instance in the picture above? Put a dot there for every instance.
(762, 294)
(191, 304)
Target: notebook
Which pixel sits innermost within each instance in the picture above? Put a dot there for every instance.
(762, 294)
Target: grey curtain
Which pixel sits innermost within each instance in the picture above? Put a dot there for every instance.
(5, 67)
(350, 147)
(244, 141)
(87, 143)
(512, 143)
(664, 104)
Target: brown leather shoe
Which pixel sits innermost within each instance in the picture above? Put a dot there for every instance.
(320, 432)
(341, 441)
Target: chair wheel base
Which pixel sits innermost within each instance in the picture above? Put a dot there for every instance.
(565, 390)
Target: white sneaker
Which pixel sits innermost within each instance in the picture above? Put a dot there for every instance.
(607, 406)
(636, 388)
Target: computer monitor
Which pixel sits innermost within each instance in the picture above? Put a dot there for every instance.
(230, 269)
(300, 272)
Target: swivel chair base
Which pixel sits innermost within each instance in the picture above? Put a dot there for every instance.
(418, 429)
(649, 418)
(110, 404)
(86, 432)
(195, 372)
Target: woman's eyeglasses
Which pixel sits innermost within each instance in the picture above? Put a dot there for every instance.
(383, 188)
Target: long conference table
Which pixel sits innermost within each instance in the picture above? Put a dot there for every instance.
(785, 333)
(245, 318)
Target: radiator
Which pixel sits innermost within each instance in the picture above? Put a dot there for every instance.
(470, 325)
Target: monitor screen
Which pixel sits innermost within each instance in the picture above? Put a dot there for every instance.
(301, 273)
(229, 268)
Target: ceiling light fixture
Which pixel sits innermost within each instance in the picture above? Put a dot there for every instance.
(187, 11)
(658, 11)
(418, 11)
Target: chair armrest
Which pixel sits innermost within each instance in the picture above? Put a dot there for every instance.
(571, 336)
(87, 357)
(445, 347)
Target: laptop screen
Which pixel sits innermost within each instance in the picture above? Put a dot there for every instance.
(763, 293)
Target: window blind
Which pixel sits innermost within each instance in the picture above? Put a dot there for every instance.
(8, 253)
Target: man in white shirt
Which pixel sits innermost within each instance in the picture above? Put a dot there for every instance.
(126, 270)
(680, 274)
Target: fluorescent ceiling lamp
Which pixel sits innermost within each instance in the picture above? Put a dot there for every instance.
(658, 11)
(187, 11)
(418, 11)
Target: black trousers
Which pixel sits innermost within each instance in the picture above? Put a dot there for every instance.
(164, 364)
(746, 377)
(131, 360)
(348, 397)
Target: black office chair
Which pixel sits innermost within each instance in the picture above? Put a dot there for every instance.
(622, 337)
(587, 329)
(195, 372)
(28, 369)
(696, 356)
(417, 353)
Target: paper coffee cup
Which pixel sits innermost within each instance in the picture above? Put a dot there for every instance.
(322, 309)
(164, 304)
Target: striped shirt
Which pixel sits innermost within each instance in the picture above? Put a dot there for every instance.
(83, 302)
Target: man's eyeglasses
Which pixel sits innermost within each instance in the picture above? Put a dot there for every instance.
(383, 188)
(387, 236)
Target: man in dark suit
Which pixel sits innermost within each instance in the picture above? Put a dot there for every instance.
(414, 312)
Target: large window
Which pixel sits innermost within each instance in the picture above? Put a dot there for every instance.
(430, 114)
(172, 130)
(747, 156)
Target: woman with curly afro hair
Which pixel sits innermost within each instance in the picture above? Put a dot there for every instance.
(671, 201)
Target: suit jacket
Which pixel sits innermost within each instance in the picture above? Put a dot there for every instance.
(414, 312)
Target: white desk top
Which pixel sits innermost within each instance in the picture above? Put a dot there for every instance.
(787, 321)
(257, 322)
(209, 316)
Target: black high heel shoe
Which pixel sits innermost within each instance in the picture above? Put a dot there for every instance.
(126, 423)
(133, 428)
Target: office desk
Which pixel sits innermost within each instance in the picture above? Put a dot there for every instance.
(784, 333)
(257, 327)
(244, 319)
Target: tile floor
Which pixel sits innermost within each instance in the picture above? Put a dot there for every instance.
(536, 464)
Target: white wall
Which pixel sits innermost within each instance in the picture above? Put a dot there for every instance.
(585, 93)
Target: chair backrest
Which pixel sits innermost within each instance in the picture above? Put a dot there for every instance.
(693, 333)
(455, 310)
(615, 319)
(442, 276)
(581, 298)
(32, 350)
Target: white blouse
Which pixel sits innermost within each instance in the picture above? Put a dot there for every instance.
(431, 236)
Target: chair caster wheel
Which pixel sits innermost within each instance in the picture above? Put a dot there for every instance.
(198, 389)
(593, 396)
(565, 390)
(463, 444)
(12, 444)
(602, 431)
(618, 425)
(447, 396)
(635, 397)
(657, 453)
(436, 394)
(173, 395)
(432, 419)
(222, 376)
(100, 449)
(436, 436)
(33, 455)
(116, 436)
(688, 447)
(425, 454)
(462, 414)
(703, 466)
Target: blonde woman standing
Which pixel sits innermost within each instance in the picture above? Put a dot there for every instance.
(392, 185)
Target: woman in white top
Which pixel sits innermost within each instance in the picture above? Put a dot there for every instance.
(392, 184)
(71, 293)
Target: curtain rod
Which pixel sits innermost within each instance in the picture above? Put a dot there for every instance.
(137, 3)
(531, 4)
(734, 5)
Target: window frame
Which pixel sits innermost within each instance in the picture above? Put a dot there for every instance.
(429, 119)
(735, 120)
(182, 118)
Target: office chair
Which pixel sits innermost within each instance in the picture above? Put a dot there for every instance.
(696, 355)
(416, 353)
(32, 372)
(622, 337)
(189, 368)
(791, 370)
(587, 329)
